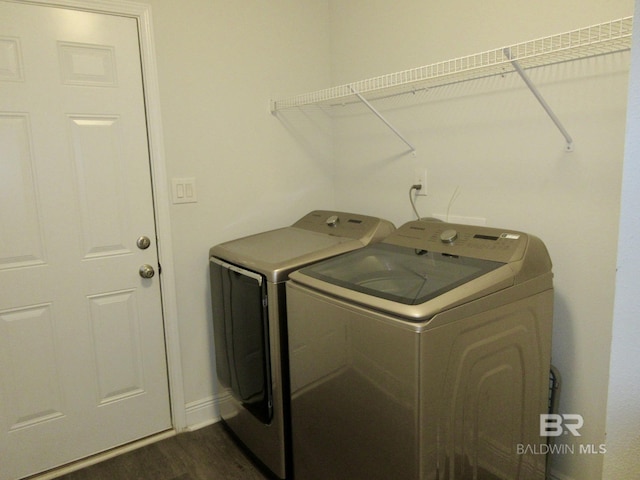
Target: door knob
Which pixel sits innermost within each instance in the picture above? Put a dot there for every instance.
(147, 271)
(143, 243)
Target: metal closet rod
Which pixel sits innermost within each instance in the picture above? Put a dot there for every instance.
(540, 98)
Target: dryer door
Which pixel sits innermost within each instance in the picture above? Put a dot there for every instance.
(241, 336)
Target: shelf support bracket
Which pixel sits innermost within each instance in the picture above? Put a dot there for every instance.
(540, 98)
(381, 117)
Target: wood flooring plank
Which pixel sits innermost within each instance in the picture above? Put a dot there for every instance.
(214, 455)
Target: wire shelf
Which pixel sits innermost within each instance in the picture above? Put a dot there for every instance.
(604, 38)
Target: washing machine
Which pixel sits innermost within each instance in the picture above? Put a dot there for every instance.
(250, 326)
(425, 356)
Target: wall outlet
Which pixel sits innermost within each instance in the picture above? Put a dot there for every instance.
(420, 178)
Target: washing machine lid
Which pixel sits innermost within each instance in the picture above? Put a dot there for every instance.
(400, 274)
(426, 267)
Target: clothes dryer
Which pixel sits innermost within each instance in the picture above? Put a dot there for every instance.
(250, 325)
(425, 356)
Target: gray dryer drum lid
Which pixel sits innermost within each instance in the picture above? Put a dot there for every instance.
(277, 253)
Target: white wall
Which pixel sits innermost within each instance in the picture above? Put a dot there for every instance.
(491, 140)
(219, 63)
(623, 412)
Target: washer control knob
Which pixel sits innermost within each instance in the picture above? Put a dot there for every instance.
(448, 236)
(333, 220)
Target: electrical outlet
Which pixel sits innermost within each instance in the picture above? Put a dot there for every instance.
(420, 178)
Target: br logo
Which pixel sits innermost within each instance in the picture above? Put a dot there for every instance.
(554, 425)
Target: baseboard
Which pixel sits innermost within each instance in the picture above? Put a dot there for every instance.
(203, 412)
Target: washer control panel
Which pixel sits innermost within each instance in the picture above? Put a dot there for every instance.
(461, 240)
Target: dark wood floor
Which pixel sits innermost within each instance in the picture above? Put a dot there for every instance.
(205, 454)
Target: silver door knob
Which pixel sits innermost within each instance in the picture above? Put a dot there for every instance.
(143, 243)
(147, 271)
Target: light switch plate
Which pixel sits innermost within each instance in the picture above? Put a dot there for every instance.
(184, 190)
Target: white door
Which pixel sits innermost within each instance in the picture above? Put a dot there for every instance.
(82, 355)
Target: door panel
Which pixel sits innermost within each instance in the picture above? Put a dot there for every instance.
(82, 356)
(115, 327)
(21, 238)
(100, 179)
(33, 394)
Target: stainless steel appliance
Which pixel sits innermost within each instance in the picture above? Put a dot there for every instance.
(250, 325)
(425, 356)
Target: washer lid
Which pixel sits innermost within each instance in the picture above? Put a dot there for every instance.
(400, 274)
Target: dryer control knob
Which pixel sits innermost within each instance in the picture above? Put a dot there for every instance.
(448, 236)
(333, 220)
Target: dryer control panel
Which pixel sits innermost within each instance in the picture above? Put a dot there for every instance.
(347, 225)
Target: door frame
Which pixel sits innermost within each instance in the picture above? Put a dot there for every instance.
(161, 199)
